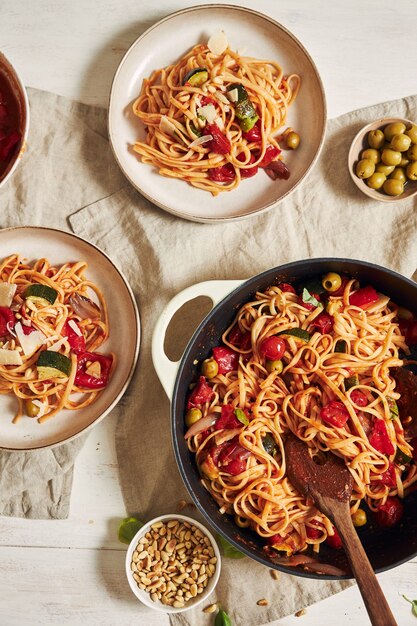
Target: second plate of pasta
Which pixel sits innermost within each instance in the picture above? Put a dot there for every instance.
(69, 336)
(202, 102)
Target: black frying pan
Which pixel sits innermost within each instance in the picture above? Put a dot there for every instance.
(386, 548)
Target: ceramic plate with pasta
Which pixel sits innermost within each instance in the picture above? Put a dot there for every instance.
(221, 122)
(69, 336)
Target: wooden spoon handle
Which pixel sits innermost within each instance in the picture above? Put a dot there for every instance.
(376, 604)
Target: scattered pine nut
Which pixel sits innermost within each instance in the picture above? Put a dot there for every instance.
(262, 602)
(210, 608)
(275, 574)
(301, 612)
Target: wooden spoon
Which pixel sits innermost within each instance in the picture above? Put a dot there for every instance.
(329, 485)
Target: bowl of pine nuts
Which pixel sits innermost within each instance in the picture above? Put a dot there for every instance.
(173, 563)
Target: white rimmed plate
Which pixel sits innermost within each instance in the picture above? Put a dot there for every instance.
(60, 247)
(253, 34)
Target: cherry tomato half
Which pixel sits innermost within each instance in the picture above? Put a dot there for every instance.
(273, 348)
(390, 513)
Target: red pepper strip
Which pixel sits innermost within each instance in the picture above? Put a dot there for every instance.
(313, 533)
(390, 513)
(240, 339)
(227, 419)
(363, 297)
(208, 100)
(226, 359)
(388, 477)
(7, 320)
(201, 394)
(76, 342)
(335, 413)
(323, 323)
(250, 171)
(223, 174)
(85, 380)
(235, 467)
(334, 540)
(278, 169)
(271, 153)
(28, 329)
(286, 287)
(379, 438)
(220, 144)
(7, 144)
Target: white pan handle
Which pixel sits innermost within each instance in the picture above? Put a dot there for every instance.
(166, 369)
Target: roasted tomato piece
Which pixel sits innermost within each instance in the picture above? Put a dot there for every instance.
(379, 438)
(273, 348)
(335, 413)
(201, 394)
(390, 513)
(323, 323)
(363, 297)
(226, 359)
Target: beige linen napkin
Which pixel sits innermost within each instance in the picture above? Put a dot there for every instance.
(161, 254)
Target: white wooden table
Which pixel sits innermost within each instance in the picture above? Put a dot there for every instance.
(71, 571)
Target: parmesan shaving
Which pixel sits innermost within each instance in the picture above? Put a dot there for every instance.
(200, 141)
(218, 43)
(75, 328)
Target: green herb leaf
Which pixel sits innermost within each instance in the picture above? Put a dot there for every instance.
(269, 444)
(340, 346)
(222, 619)
(128, 529)
(413, 605)
(241, 417)
(309, 299)
(229, 551)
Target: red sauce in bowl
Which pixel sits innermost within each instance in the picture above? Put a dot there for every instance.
(10, 124)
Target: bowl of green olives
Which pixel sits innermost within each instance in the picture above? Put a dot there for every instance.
(383, 159)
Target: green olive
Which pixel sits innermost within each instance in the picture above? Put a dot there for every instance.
(396, 128)
(393, 187)
(412, 171)
(32, 410)
(292, 140)
(400, 143)
(376, 139)
(376, 180)
(399, 174)
(192, 416)
(210, 368)
(274, 366)
(385, 169)
(365, 168)
(412, 133)
(412, 152)
(391, 157)
(404, 161)
(371, 154)
(332, 281)
(359, 518)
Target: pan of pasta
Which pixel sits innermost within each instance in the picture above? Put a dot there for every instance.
(321, 349)
(221, 122)
(69, 337)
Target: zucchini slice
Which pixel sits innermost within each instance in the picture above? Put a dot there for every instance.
(300, 333)
(352, 381)
(41, 294)
(53, 365)
(196, 77)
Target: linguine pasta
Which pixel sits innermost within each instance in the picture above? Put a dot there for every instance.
(179, 117)
(342, 370)
(73, 327)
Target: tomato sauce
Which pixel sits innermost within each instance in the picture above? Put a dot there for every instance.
(10, 122)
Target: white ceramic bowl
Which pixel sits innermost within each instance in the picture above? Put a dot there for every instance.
(142, 595)
(360, 143)
(18, 88)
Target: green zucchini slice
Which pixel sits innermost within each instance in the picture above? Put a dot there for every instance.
(53, 365)
(41, 294)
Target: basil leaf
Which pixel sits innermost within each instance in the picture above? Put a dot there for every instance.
(229, 551)
(222, 619)
(241, 417)
(413, 605)
(309, 299)
(128, 529)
